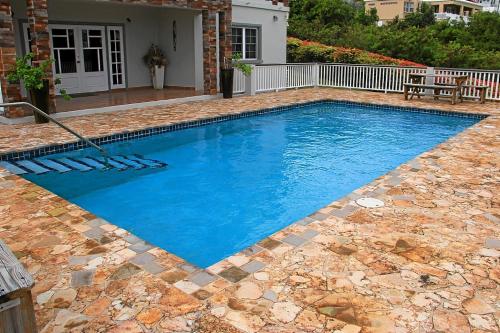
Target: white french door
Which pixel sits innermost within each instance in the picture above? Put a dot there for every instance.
(116, 57)
(79, 53)
(80, 56)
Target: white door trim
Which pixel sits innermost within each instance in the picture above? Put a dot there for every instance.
(116, 57)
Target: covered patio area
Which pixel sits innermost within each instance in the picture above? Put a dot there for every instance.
(122, 97)
(98, 47)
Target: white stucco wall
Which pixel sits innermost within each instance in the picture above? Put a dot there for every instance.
(181, 71)
(147, 25)
(272, 32)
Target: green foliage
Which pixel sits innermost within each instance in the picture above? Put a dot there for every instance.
(417, 37)
(246, 69)
(31, 76)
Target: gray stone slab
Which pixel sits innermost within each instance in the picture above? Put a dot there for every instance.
(305, 221)
(142, 259)
(309, 234)
(414, 164)
(97, 222)
(270, 295)
(343, 212)
(394, 181)
(492, 243)
(132, 239)
(253, 266)
(152, 267)
(82, 278)
(293, 240)
(94, 233)
(188, 268)
(140, 247)
(202, 278)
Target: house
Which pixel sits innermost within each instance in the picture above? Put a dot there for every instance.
(98, 45)
(388, 10)
(490, 5)
(454, 9)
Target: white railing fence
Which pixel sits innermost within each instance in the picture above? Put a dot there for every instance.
(476, 78)
(377, 78)
(238, 82)
(354, 76)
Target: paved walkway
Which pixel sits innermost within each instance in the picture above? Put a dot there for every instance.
(425, 262)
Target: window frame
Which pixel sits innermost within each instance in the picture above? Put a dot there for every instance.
(408, 7)
(258, 40)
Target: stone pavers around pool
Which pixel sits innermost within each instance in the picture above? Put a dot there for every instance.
(426, 261)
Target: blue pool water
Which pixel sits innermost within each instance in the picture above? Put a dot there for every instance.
(231, 184)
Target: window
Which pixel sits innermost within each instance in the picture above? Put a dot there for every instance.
(408, 7)
(245, 42)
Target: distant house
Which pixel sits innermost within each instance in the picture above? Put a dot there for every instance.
(388, 10)
(98, 45)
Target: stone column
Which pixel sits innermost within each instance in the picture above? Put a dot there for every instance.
(10, 92)
(225, 42)
(209, 52)
(38, 19)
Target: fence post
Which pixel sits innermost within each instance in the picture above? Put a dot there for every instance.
(429, 80)
(251, 82)
(316, 75)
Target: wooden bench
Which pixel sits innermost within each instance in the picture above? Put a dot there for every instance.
(16, 306)
(415, 89)
(481, 88)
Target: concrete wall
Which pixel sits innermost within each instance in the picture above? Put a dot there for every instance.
(181, 71)
(272, 32)
(142, 25)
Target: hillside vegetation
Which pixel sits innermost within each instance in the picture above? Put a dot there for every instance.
(418, 37)
(306, 51)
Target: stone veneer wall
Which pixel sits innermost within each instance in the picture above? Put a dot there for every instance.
(10, 92)
(38, 20)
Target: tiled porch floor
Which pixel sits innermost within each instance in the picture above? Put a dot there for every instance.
(426, 262)
(121, 97)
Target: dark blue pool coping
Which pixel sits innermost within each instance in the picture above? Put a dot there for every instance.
(126, 136)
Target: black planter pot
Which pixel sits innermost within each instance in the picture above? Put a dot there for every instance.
(226, 82)
(40, 99)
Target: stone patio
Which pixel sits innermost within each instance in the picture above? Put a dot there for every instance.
(427, 261)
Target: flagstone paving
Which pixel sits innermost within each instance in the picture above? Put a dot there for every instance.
(427, 261)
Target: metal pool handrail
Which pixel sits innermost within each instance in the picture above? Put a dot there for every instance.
(101, 150)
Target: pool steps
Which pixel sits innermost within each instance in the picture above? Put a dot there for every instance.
(66, 164)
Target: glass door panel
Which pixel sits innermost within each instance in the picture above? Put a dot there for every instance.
(92, 48)
(64, 51)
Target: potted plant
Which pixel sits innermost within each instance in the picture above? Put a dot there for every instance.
(156, 62)
(35, 79)
(227, 74)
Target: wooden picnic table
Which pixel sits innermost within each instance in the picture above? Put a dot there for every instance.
(458, 80)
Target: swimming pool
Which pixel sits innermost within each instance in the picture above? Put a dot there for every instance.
(230, 184)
